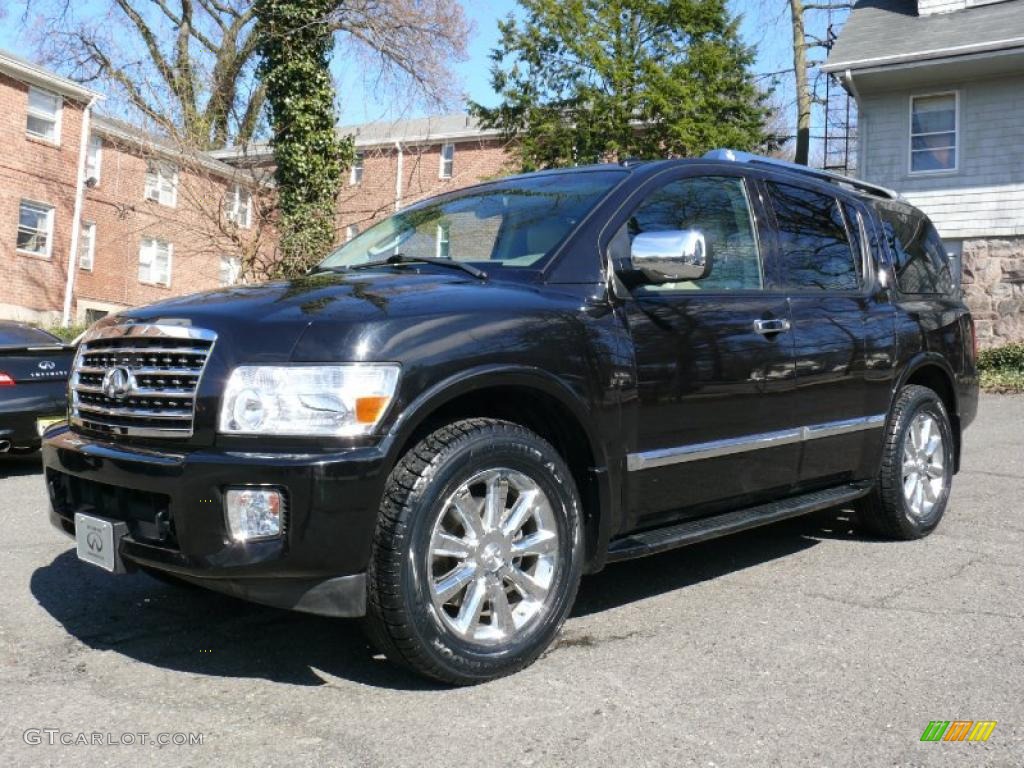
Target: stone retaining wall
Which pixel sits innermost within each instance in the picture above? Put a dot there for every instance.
(993, 280)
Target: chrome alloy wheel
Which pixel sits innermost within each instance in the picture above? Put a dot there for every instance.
(493, 557)
(924, 470)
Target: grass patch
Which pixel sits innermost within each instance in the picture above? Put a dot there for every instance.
(1002, 369)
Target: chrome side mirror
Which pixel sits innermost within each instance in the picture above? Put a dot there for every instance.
(671, 256)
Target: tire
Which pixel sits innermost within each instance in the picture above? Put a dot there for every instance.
(892, 509)
(426, 540)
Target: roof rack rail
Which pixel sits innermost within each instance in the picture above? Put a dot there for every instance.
(735, 156)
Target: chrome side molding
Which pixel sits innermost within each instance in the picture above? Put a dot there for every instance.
(699, 451)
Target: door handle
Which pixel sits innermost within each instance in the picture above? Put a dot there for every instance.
(771, 327)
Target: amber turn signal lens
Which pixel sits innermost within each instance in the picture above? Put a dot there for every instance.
(369, 409)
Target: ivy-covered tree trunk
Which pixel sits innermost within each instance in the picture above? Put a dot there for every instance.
(295, 46)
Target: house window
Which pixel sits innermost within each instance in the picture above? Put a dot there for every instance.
(155, 262)
(351, 231)
(238, 206)
(44, 114)
(86, 245)
(934, 122)
(356, 174)
(35, 228)
(94, 315)
(444, 232)
(230, 270)
(93, 159)
(162, 183)
(447, 160)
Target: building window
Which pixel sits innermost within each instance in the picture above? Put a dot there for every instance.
(934, 123)
(93, 160)
(356, 174)
(351, 231)
(447, 160)
(155, 262)
(86, 245)
(162, 183)
(444, 232)
(238, 206)
(94, 315)
(44, 110)
(35, 228)
(230, 270)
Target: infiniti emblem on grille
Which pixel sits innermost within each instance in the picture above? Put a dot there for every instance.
(118, 383)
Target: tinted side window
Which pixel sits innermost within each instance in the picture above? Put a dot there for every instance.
(919, 256)
(815, 246)
(718, 207)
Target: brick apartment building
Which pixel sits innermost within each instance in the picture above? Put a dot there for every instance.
(399, 163)
(152, 221)
(140, 219)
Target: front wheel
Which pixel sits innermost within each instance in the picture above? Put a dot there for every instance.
(917, 469)
(477, 554)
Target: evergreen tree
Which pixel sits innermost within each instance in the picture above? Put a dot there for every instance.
(589, 80)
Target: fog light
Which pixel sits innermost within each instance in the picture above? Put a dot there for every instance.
(253, 513)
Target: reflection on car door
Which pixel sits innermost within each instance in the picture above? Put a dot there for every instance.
(714, 364)
(842, 330)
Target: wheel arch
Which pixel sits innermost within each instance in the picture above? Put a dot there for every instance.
(933, 371)
(534, 399)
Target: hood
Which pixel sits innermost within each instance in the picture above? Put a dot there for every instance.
(264, 322)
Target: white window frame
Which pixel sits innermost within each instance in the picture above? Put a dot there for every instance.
(443, 238)
(234, 211)
(56, 117)
(94, 157)
(160, 176)
(49, 209)
(234, 270)
(358, 169)
(956, 134)
(351, 232)
(87, 246)
(151, 242)
(447, 168)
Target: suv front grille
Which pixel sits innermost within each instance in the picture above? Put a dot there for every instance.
(139, 380)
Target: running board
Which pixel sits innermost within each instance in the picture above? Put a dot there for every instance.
(693, 531)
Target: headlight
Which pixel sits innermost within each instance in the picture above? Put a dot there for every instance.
(312, 400)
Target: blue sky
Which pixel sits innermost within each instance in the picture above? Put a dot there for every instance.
(765, 26)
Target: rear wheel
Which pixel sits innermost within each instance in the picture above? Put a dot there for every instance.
(477, 554)
(917, 469)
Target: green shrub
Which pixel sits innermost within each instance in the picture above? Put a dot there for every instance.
(67, 334)
(1009, 357)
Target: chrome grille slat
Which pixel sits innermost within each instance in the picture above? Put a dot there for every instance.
(163, 365)
(144, 371)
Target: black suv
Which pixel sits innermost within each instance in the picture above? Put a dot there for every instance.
(493, 392)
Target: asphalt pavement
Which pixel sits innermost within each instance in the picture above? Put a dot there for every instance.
(803, 644)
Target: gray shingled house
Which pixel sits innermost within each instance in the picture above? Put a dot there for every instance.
(939, 86)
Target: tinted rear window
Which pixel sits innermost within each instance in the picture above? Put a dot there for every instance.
(25, 336)
(919, 256)
(813, 240)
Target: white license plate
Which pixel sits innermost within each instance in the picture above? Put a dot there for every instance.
(98, 540)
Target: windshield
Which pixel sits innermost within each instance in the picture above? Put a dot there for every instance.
(516, 223)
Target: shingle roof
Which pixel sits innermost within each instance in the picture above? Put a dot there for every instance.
(880, 33)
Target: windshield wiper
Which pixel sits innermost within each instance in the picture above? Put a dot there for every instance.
(401, 258)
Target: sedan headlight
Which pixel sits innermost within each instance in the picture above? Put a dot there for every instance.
(309, 400)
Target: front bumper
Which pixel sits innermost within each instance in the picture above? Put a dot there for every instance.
(173, 504)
